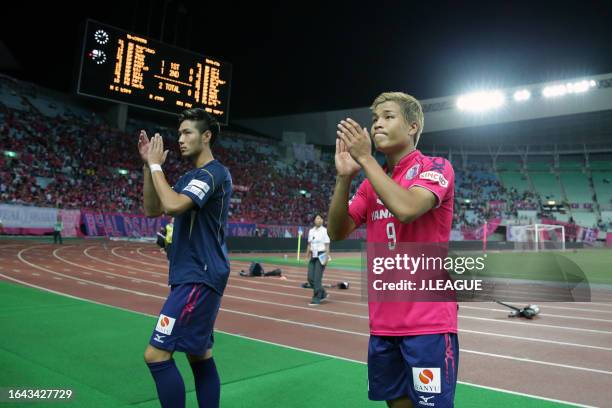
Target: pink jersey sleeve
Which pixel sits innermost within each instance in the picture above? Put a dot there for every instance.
(358, 205)
(438, 177)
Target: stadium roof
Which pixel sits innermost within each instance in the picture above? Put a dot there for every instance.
(444, 116)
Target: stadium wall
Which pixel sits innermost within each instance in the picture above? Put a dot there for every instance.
(26, 220)
(253, 244)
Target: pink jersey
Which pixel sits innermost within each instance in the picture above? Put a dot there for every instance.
(436, 175)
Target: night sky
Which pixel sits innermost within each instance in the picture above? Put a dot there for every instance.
(292, 57)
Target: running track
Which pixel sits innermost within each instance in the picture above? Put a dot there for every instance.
(565, 354)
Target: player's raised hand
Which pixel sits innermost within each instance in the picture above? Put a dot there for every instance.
(143, 146)
(345, 164)
(356, 139)
(156, 154)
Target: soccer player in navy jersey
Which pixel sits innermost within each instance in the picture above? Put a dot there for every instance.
(199, 262)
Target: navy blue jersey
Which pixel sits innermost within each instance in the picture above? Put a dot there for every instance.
(199, 253)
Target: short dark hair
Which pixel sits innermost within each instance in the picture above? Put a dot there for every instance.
(204, 121)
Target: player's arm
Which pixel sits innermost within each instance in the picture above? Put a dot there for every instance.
(151, 203)
(405, 205)
(172, 202)
(339, 223)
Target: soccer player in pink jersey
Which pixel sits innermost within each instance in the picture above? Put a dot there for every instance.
(413, 347)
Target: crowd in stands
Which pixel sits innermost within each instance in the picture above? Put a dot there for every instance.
(66, 163)
(78, 161)
(75, 163)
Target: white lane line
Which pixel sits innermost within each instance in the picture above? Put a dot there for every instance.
(304, 297)
(528, 360)
(593, 319)
(302, 270)
(533, 339)
(109, 275)
(463, 305)
(164, 259)
(112, 275)
(575, 309)
(135, 260)
(531, 324)
(115, 264)
(22, 259)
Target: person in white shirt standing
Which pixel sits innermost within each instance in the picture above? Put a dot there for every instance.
(318, 253)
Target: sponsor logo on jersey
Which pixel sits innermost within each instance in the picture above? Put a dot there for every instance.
(434, 176)
(381, 214)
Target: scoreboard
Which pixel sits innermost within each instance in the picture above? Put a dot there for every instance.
(123, 67)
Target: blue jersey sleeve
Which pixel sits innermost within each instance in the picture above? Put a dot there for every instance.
(203, 185)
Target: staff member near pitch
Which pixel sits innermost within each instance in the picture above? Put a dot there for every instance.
(318, 249)
(199, 263)
(58, 227)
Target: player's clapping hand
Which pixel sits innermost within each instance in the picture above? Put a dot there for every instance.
(143, 146)
(157, 154)
(345, 164)
(356, 139)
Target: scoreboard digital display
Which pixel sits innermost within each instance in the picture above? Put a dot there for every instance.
(123, 67)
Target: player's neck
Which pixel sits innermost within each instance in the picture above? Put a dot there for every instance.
(394, 158)
(203, 158)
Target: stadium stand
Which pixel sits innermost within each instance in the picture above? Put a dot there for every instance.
(61, 150)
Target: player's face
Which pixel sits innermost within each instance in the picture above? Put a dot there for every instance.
(390, 130)
(318, 221)
(191, 141)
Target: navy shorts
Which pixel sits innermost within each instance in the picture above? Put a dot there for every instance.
(187, 319)
(423, 368)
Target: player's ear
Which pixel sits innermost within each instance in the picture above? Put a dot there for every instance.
(413, 129)
(206, 136)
